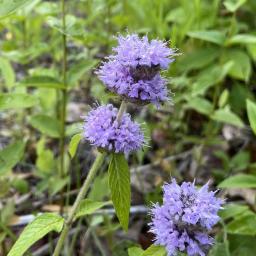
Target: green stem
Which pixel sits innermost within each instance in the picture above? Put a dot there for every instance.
(96, 165)
(64, 92)
(121, 111)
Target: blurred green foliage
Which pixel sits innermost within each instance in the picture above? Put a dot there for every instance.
(213, 81)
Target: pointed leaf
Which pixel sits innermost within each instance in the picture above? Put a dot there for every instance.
(9, 6)
(88, 206)
(213, 36)
(16, 101)
(226, 116)
(42, 82)
(34, 231)
(119, 183)
(239, 181)
(74, 144)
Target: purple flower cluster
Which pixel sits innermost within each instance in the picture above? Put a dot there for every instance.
(134, 70)
(184, 219)
(103, 130)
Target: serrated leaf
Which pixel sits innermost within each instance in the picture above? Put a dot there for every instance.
(46, 124)
(16, 101)
(212, 36)
(34, 231)
(74, 144)
(228, 117)
(154, 250)
(11, 155)
(239, 181)
(7, 7)
(119, 183)
(135, 251)
(251, 112)
(42, 82)
(88, 206)
(201, 105)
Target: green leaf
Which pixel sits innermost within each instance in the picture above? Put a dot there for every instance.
(212, 36)
(223, 99)
(42, 225)
(154, 250)
(11, 155)
(251, 112)
(77, 71)
(46, 125)
(209, 77)
(220, 249)
(73, 27)
(45, 161)
(232, 210)
(233, 5)
(7, 7)
(88, 206)
(244, 225)
(135, 251)
(7, 72)
(241, 68)
(239, 181)
(74, 144)
(16, 101)
(199, 58)
(201, 105)
(119, 183)
(242, 39)
(42, 82)
(228, 117)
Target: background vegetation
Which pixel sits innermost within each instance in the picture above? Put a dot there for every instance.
(47, 83)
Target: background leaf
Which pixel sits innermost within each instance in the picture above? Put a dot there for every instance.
(16, 101)
(74, 144)
(11, 155)
(251, 112)
(46, 124)
(88, 206)
(42, 82)
(239, 181)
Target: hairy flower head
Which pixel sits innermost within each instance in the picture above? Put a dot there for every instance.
(134, 70)
(182, 222)
(103, 130)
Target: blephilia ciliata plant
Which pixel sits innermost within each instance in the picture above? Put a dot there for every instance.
(134, 73)
(183, 221)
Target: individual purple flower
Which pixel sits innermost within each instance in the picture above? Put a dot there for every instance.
(103, 130)
(134, 70)
(182, 222)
